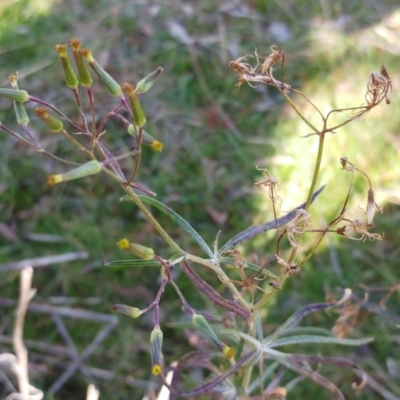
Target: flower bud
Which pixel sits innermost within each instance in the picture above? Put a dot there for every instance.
(71, 79)
(14, 94)
(54, 124)
(22, 116)
(112, 86)
(146, 253)
(90, 168)
(147, 138)
(83, 71)
(133, 312)
(139, 118)
(146, 83)
(203, 326)
(156, 340)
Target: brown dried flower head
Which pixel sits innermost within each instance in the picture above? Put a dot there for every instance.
(297, 226)
(371, 206)
(358, 227)
(271, 59)
(379, 87)
(346, 164)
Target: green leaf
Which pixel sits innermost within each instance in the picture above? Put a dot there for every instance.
(180, 221)
(316, 340)
(133, 263)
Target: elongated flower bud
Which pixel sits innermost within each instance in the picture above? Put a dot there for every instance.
(14, 94)
(71, 79)
(132, 312)
(139, 118)
(22, 116)
(18, 97)
(112, 86)
(147, 138)
(90, 168)
(83, 71)
(146, 83)
(157, 359)
(138, 250)
(54, 124)
(203, 326)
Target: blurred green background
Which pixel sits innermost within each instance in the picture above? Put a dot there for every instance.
(214, 136)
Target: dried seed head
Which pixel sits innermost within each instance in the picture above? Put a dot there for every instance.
(271, 59)
(289, 269)
(269, 181)
(358, 227)
(297, 226)
(371, 206)
(346, 164)
(379, 87)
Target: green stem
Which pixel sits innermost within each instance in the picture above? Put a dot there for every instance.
(152, 220)
(289, 100)
(316, 169)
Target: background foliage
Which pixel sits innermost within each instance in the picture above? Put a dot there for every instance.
(214, 135)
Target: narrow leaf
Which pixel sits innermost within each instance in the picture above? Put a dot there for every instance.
(255, 230)
(133, 263)
(180, 221)
(318, 340)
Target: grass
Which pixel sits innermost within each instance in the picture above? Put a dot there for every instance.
(206, 170)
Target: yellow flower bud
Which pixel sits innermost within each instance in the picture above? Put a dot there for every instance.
(112, 86)
(54, 124)
(203, 326)
(83, 71)
(139, 118)
(71, 79)
(146, 83)
(20, 96)
(90, 168)
(132, 312)
(146, 253)
(22, 116)
(156, 340)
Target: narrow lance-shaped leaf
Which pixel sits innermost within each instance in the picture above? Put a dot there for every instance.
(209, 386)
(256, 230)
(136, 263)
(301, 339)
(284, 359)
(180, 221)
